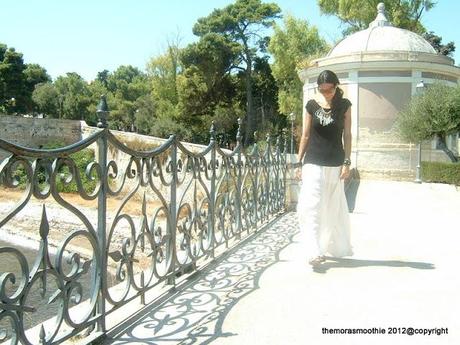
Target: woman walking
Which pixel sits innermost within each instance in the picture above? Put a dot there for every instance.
(324, 158)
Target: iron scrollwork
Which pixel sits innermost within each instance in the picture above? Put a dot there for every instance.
(153, 214)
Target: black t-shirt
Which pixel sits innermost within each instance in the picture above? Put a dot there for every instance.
(325, 145)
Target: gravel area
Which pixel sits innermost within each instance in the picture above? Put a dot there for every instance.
(24, 228)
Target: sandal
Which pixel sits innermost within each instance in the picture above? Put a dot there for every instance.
(316, 261)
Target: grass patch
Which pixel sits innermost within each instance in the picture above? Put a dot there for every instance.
(441, 172)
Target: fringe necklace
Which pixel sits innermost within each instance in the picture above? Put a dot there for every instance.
(324, 117)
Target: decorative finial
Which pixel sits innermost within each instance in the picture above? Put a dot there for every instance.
(102, 112)
(42, 335)
(381, 19)
(212, 131)
(286, 138)
(239, 136)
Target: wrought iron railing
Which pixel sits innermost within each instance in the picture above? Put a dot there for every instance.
(137, 225)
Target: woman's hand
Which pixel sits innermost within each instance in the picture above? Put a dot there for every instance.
(345, 172)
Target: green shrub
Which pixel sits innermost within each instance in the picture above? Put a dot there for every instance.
(441, 172)
(434, 113)
(82, 159)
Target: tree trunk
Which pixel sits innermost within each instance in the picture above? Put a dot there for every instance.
(250, 128)
(442, 144)
(262, 108)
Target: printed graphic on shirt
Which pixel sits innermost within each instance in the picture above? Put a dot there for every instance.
(324, 117)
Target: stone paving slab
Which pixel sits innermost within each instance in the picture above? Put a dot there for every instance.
(405, 273)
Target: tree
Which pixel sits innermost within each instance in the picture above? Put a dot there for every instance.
(292, 47)
(214, 55)
(123, 89)
(163, 71)
(435, 41)
(12, 93)
(103, 77)
(242, 23)
(357, 14)
(73, 97)
(17, 81)
(266, 97)
(206, 89)
(45, 97)
(3, 49)
(434, 114)
(34, 74)
(127, 90)
(96, 88)
(145, 114)
(121, 77)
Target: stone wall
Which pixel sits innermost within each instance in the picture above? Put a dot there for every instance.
(35, 132)
(38, 132)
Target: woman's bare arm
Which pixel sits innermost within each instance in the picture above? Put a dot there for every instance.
(306, 125)
(347, 133)
(346, 143)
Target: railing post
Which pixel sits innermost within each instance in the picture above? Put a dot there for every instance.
(420, 89)
(285, 170)
(255, 155)
(212, 202)
(239, 180)
(173, 212)
(267, 182)
(418, 178)
(102, 114)
(277, 175)
(292, 119)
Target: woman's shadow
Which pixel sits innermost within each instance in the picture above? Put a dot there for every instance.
(332, 262)
(351, 192)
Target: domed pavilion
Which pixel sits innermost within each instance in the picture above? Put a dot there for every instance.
(379, 69)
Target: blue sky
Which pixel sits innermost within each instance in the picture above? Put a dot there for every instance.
(88, 36)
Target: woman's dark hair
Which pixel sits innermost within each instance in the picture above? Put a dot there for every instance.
(329, 77)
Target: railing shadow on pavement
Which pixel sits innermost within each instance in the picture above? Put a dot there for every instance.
(333, 262)
(195, 315)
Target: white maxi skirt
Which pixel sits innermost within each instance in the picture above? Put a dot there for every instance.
(322, 212)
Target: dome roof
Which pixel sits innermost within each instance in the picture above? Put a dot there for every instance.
(380, 36)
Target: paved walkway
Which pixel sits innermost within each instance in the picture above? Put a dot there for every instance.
(405, 273)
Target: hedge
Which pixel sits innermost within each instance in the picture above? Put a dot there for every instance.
(441, 172)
